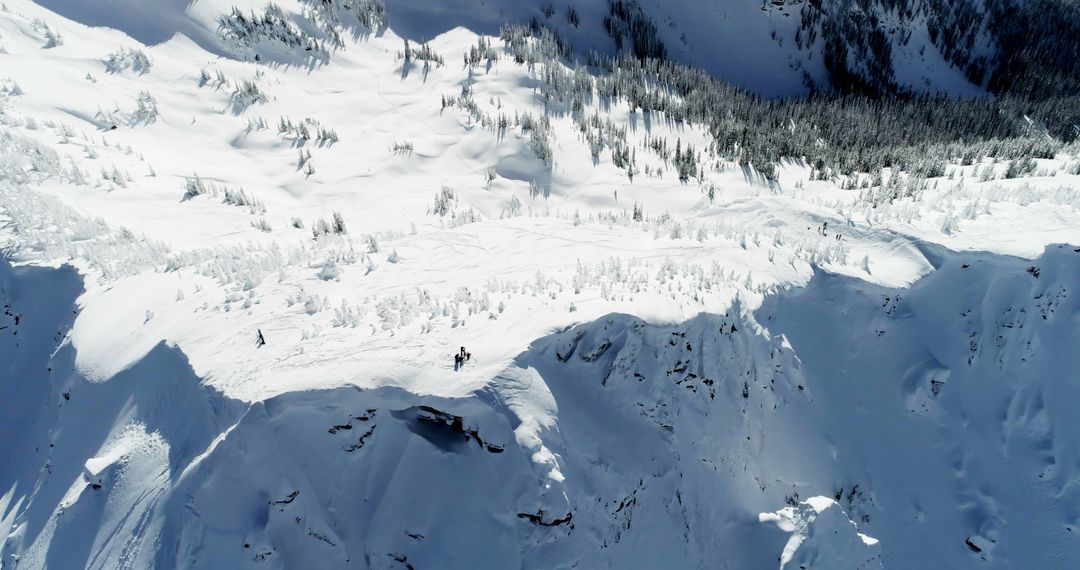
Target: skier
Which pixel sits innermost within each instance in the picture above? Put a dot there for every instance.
(461, 357)
(259, 340)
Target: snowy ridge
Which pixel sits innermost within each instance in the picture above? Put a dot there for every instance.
(656, 443)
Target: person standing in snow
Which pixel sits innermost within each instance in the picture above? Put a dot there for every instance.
(259, 340)
(461, 357)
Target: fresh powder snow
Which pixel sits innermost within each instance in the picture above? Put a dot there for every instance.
(243, 242)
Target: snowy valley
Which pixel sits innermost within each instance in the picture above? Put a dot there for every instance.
(242, 243)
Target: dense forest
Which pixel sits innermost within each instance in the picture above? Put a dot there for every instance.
(1025, 48)
(1023, 53)
(866, 122)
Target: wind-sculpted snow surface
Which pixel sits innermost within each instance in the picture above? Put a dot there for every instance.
(937, 416)
(935, 419)
(955, 395)
(148, 468)
(87, 467)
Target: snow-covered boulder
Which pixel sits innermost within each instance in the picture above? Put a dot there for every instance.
(822, 536)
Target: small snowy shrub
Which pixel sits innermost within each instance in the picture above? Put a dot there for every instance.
(262, 225)
(246, 94)
(52, 39)
(337, 223)
(330, 271)
(128, 58)
(243, 199)
(194, 186)
(146, 110)
(444, 201)
(319, 228)
(513, 208)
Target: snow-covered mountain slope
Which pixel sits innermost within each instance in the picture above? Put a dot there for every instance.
(765, 47)
(936, 416)
(737, 40)
(772, 48)
(723, 370)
